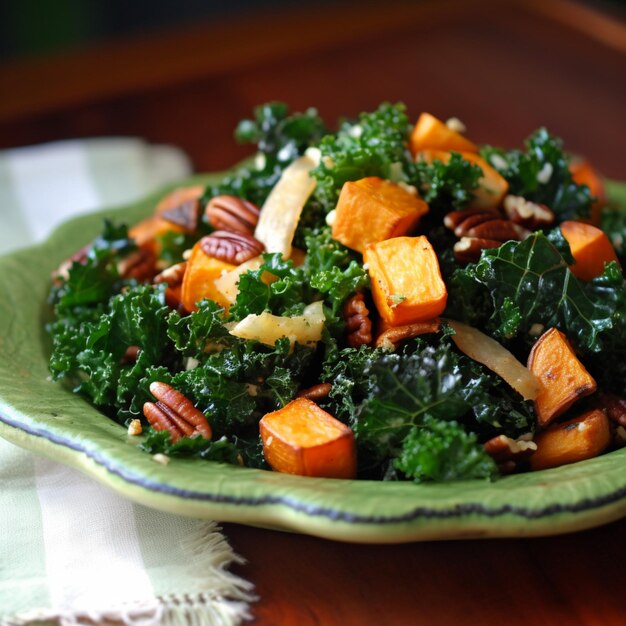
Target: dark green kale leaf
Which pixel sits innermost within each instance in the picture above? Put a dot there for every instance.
(446, 186)
(525, 283)
(541, 174)
(192, 333)
(280, 138)
(443, 451)
(375, 145)
(285, 296)
(219, 450)
(172, 245)
(614, 225)
(429, 380)
(94, 278)
(278, 135)
(91, 353)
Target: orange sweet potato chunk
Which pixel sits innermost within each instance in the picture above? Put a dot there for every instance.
(583, 437)
(406, 281)
(492, 186)
(563, 377)
(199, 279)
(591, 248)
(179, 196)
(145, 233)
(431, 133)
(584, 173)
(301, 438)
(373, 209)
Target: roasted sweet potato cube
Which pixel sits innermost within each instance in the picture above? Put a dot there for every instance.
(563, 377)
(145, 233)
(301, 438)
(584, 173)
(373, 209)
(431, 133)
(492, 186)
(199, 279)
(179, 196)
(590, 247)
(577, 439)
(406, 281)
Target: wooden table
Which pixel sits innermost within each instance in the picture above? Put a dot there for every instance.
(504, 69)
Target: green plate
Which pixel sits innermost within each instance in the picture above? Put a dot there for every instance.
(46, 418)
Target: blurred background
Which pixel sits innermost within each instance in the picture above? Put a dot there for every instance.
(185, 72)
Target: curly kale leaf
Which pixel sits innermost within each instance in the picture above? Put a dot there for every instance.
(278, 135)
(280, 138)
(434, 382)
(541, 174)
(192, 333)
(330, 272)
(529, 282)
(443, 451)
(94, 278)
(447, 186)
(92, 352)
(614, 225)
(286, 295)
(374, 145)
(220, 450)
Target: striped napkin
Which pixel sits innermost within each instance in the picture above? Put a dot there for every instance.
(72, 551)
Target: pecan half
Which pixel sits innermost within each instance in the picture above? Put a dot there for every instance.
(235, 248)
(139, 264)
(175, 413)
(172, 275)
(528, 214)
(185, 215)
(395, 335)
(358, 323)
(130, 356)
(317, 392)
(509, 453)
(232, 214)
(614, 405)
(456, 219)
(468, 249)
(479, 230)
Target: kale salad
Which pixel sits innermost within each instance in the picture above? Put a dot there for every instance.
(387, 300)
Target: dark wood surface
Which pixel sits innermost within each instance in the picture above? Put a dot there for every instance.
(504, 69)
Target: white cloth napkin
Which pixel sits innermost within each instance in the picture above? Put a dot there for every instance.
(72, 551)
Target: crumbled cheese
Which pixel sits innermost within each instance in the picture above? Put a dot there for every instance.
(545, 173)
(252, 390)
(163, 459)
(191, 363)
(134, 428)
(356, 131)
(328, 162)
(454, 123)
(410, 188)
(315, 154)
(259, 161)
(331, 217)
(499, 162)
(187, 255)
(284, 153)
